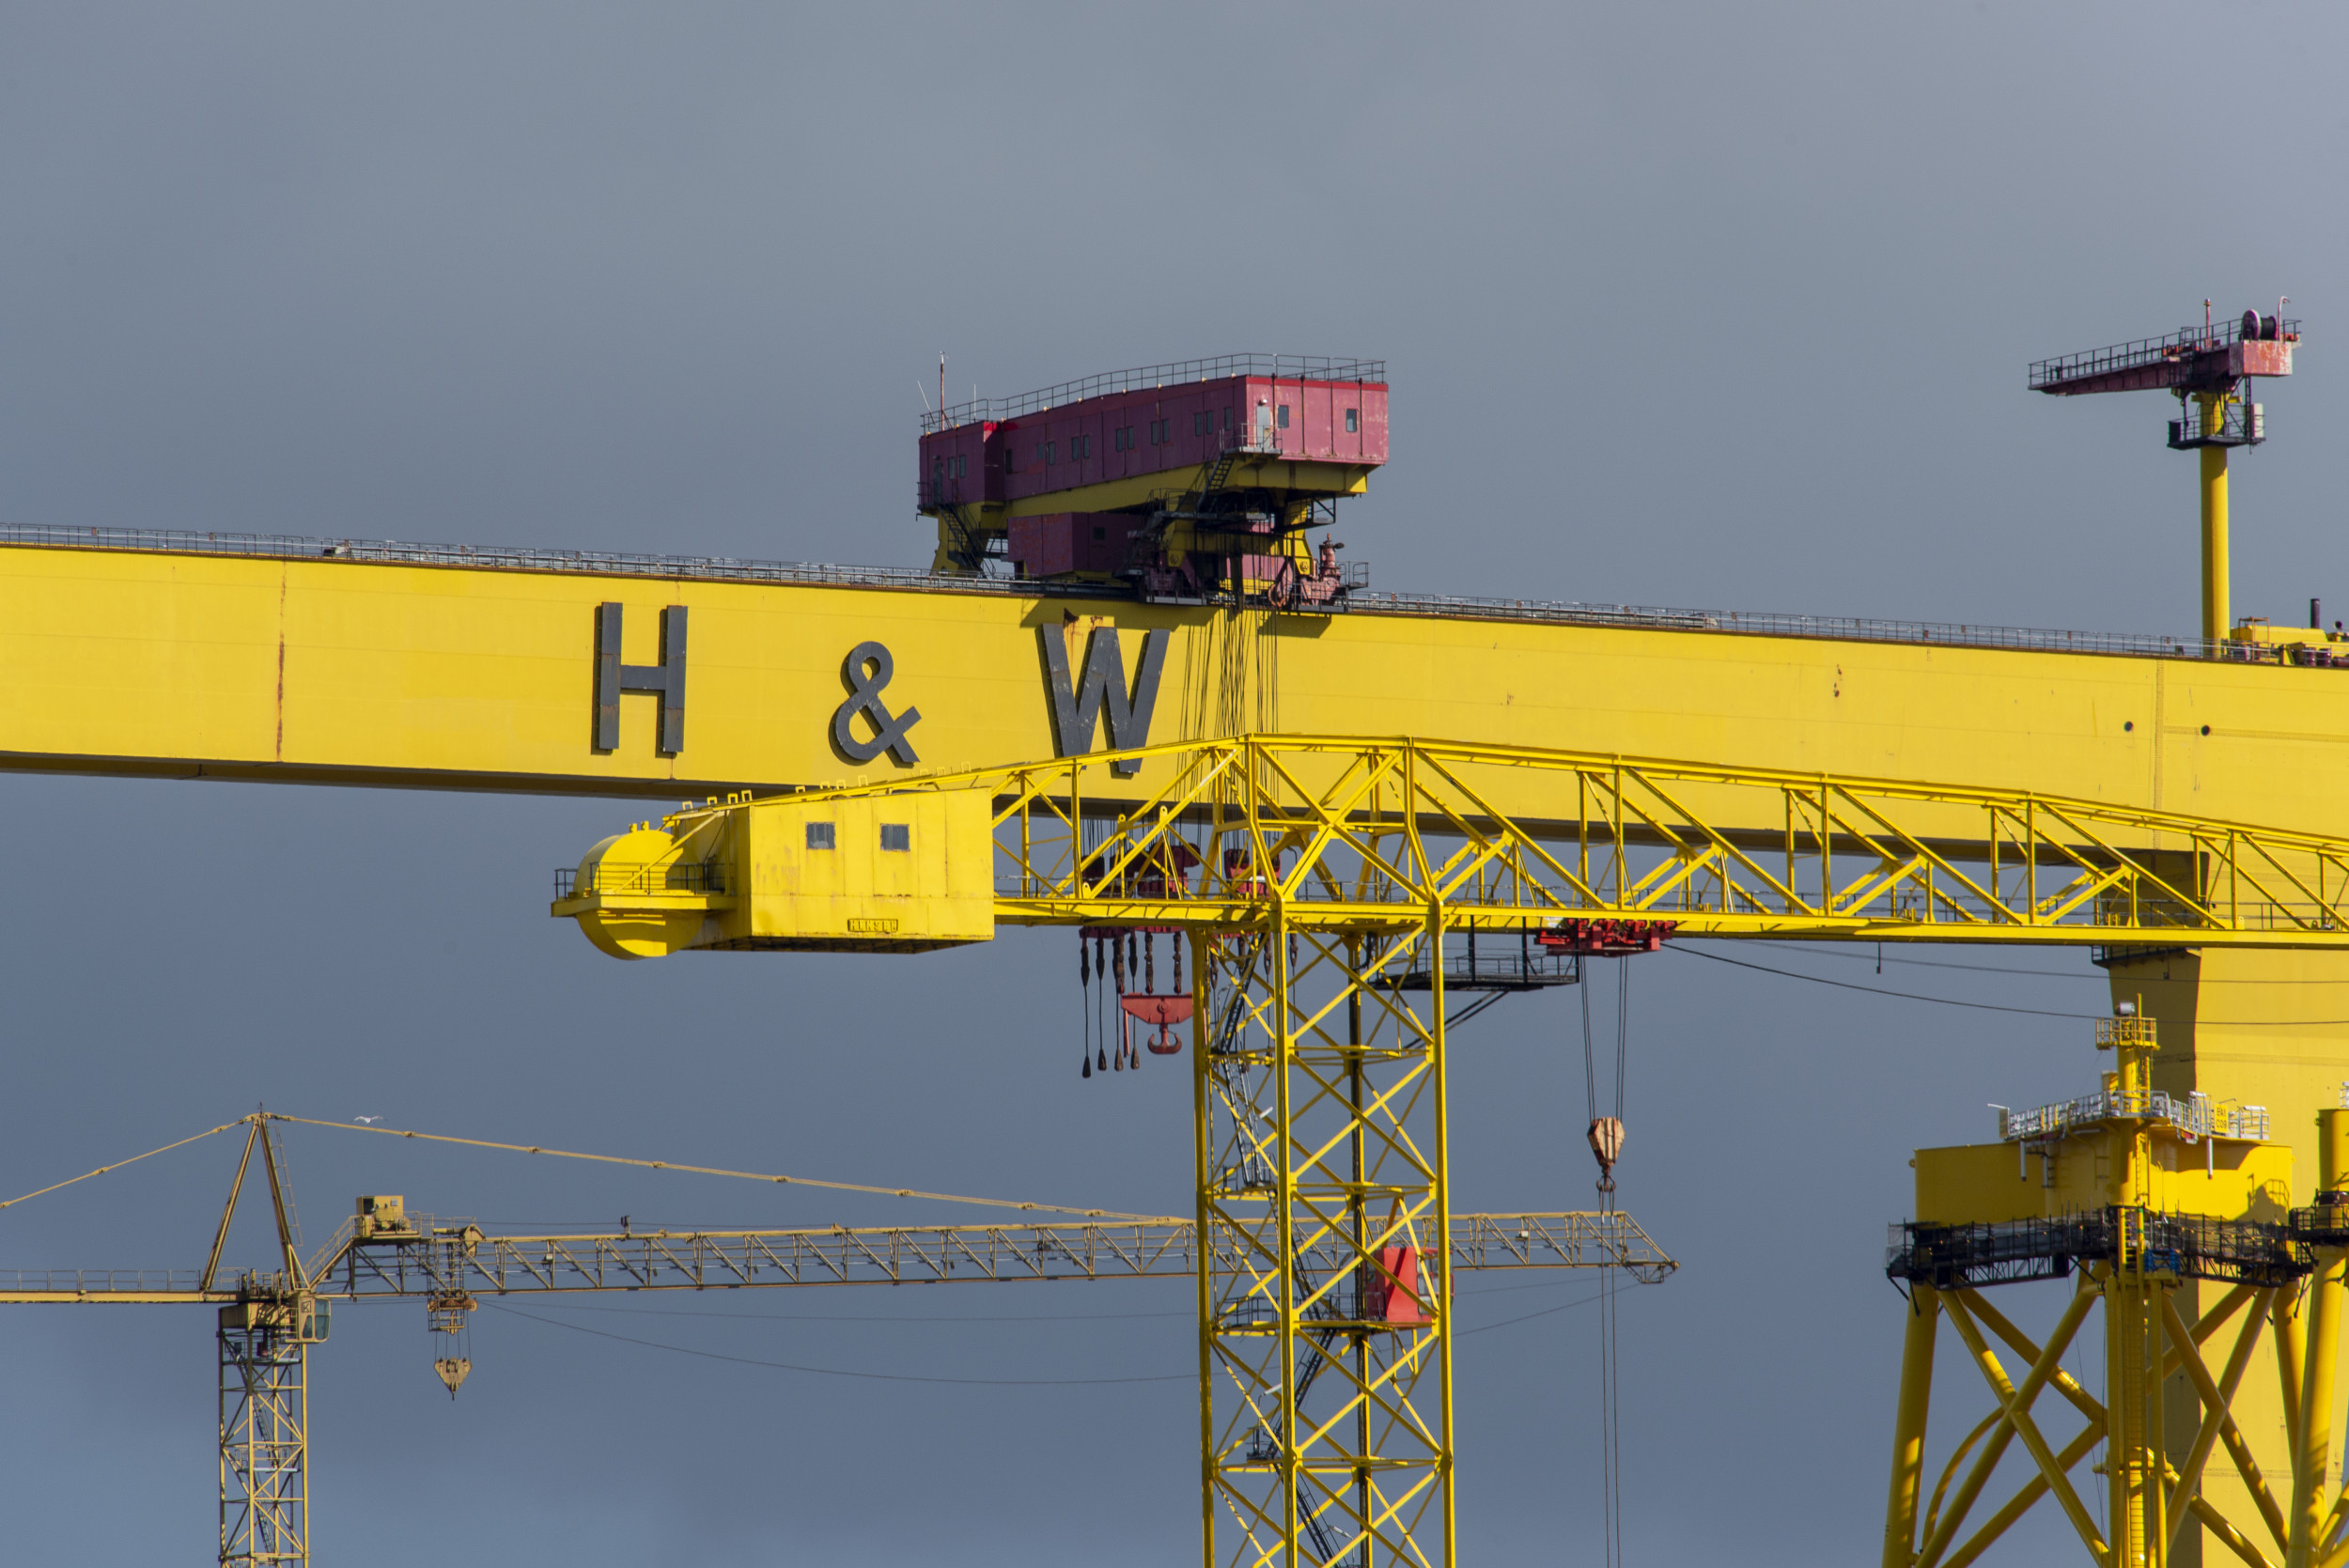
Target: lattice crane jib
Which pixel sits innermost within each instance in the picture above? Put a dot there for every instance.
(271, 1318)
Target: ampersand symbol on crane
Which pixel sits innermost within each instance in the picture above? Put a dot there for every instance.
(865, 690)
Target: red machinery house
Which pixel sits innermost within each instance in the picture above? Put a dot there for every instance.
(1138, 432)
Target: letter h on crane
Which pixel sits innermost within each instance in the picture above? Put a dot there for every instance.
(1077, 704)
(665, 680)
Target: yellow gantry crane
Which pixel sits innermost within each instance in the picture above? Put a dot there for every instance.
(1273, 791)
(271, 1318)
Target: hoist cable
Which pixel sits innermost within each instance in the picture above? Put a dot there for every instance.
(1611, 1371)
(1589, 1069)
(1623, 1027)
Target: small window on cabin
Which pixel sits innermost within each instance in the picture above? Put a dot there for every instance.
(820, 836)
(1044, 450)
(897, 837)
(1198, 424)
(1351, 424)
(1283, 417)
(962, 466)
(1227, 419)
(1101, 534)
(938, 468)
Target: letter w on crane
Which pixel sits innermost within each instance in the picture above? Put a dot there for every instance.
(1077, 704)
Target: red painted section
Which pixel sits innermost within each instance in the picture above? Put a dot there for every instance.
(1608, 939)
(1160, 429)
(2269, 357)
(963, 465)
(1395, 1302)
(1058, 542)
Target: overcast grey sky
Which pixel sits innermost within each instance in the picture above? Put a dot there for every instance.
(1698, 305)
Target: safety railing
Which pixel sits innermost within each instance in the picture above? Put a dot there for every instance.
(684, 876)
(2196, 1115)
(101, 1281)
(2142, 352)
(717, 568)
(1289, 367)
(2244, 1251)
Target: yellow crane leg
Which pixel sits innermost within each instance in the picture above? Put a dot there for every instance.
(2312, 1480)
(2216, 616)
(2254, 1027)
(1908, 1427)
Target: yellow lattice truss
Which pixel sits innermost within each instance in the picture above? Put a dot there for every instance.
(1348, 835)
(1316, 878)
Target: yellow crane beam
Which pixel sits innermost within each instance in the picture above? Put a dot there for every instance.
(450, 668)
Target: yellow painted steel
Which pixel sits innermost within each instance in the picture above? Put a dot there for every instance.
(1908, 1425)
(1356, 855)
(1354, 835)
(185, 662)
(2314, 1492)
(335, 670)
(2160, 1196)
(1313, 872)
(2217, 611)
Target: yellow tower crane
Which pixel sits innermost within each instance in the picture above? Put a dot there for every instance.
(1315, 879)
(270, 1318)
